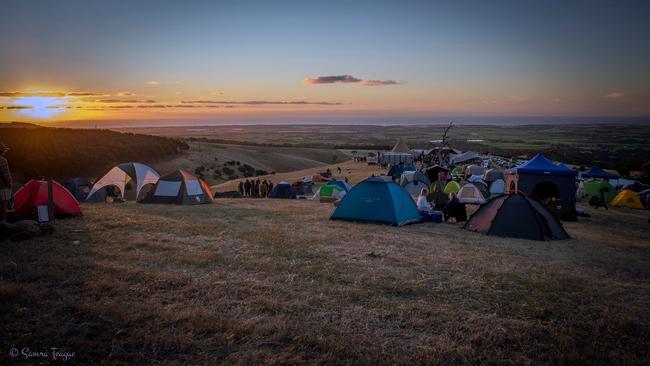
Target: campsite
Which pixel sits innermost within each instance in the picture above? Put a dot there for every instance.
(429, 182)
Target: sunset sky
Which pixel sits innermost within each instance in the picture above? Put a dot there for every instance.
(320, 60)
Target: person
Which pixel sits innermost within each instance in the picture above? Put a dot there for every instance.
(5, 182)
(270, 188)
(257, 188)
(241, 187)
(339, 169)
(603, 201)
(264, 189)
(454, 208)
(423, 204)
(247, 188)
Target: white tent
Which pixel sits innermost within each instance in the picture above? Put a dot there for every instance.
(415, 187)
(121, 175)
(497, 187)
(474, 170)
(468, 155)
(470, 194)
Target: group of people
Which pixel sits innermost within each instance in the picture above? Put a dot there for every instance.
(452, 209)
(254, 188)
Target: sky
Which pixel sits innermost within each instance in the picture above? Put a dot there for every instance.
(322, 60)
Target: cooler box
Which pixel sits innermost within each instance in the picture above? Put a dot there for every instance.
(437, 216)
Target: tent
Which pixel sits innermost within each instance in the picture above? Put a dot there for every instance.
(410, 176)
(415, 187)
(458, 171)
(593, 188)
(645, 198)
(474, 170)
(497, 187)
(123, 176)
(79, 187)
(596, 172)
(493, 174)
(627, 198)
(543, 179)
(345, 185)
(476, 178)
(330, 190)
(452, 187)
(516, 215)
(380, 200)
(432, 172)
(283, 190)
(396, 171)
(401, 147)
(35, 193)
(466, 156)
(438, 186)
(302, 188)
(637, 187)
(469, 193)
(438, 199)
(181, 188)
(483, 188)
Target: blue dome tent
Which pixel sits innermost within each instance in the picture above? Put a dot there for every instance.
(596, 172)
(283, 190)
(380, 200)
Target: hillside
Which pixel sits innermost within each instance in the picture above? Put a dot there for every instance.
(64, 153)
(275, 282)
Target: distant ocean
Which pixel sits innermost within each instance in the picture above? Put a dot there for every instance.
(376, 121)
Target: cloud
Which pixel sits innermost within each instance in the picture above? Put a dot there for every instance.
(617, 95)
(153, 82)
(348, 79)
(332, 79)
(8, 107)
(6, 94)
(125, 94)
(260, 102)
(379, 82)
(123, 101)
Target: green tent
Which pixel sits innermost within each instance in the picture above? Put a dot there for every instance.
(593, 188)
(452, 186)
(437, 186)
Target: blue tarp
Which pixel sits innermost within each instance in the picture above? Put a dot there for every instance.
(596, 172)
(377, 200)
(539, 164)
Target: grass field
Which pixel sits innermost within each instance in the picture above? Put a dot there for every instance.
(275, 282)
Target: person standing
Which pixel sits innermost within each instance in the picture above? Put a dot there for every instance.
(241, 187)
(270, 188)
(5, 182)
(247, 188)
(264, 189)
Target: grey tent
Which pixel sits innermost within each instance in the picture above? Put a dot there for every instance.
(181, 188)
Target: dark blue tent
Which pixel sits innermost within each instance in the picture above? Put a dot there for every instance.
(342, 184)
(283, 190)
(596, 172)
(396, 171)
(380, 200)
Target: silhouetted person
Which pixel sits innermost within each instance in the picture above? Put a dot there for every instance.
(270, 187)
(5, 182)
(454, 208)
(247, 188)
(241, 188)
(338, 168)
(264, 189)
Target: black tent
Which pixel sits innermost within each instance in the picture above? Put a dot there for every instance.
(516, 215)
(432, 172)
(181, 188)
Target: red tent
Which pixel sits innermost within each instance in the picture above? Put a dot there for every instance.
(34, 194)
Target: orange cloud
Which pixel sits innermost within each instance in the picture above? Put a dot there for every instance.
(153, 82)
(617, 95)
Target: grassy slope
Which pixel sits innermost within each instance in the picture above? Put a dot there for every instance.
(274, 281)
(270, 159)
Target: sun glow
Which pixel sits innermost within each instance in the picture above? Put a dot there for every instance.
(41, 107)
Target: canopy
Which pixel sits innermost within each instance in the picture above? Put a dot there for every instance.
(540, 165)
(596, 172)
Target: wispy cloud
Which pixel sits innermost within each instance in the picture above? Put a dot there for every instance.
(153, 82)
(8, 107)
(617, 95)
(125, 94)
(260, 102)
(48, 94)
(122, 101)
(348, 79)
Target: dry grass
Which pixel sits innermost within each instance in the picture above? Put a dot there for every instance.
(276, 282)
